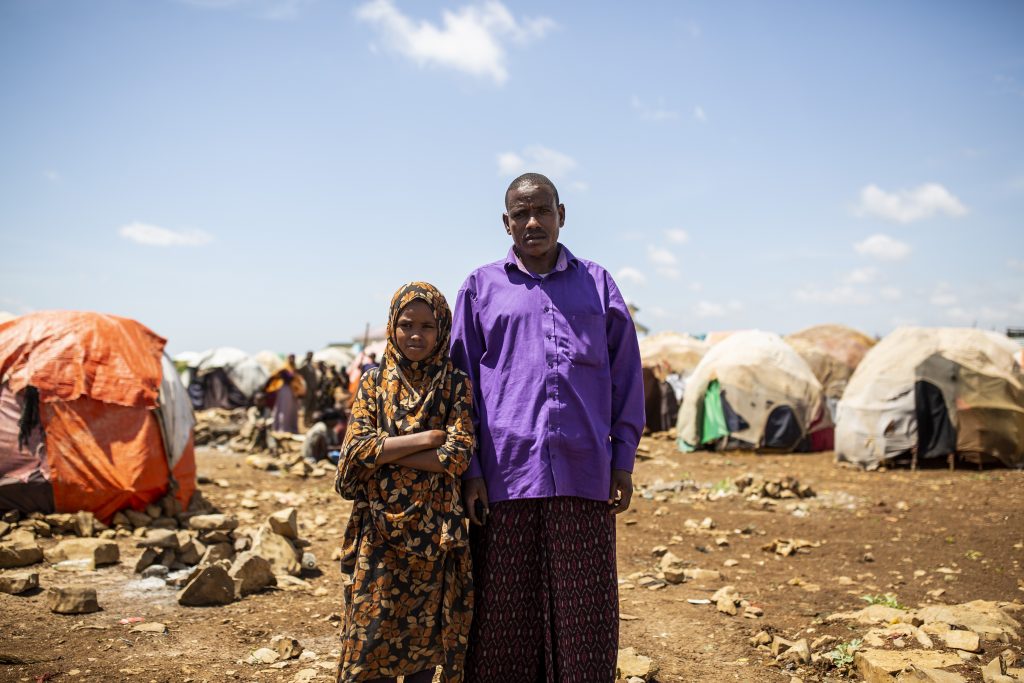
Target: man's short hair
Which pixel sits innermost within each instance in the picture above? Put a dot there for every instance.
(531, 179)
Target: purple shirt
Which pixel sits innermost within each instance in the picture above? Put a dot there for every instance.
(557, 386)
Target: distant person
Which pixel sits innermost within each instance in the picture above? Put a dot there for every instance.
(370, 364)
(330, 383)
(312, 381)
(284, 389)
(321, 437)
(409, 599)
(552, 353)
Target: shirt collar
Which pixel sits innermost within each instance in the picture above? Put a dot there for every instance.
(565, 258)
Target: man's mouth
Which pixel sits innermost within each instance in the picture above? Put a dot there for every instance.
(535, 237)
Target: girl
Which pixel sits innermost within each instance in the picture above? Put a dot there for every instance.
(409, 600)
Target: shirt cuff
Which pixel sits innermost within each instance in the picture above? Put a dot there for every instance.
(623, 455)
(473, 471)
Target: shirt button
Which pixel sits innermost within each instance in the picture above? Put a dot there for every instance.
(547, 308)
(551, 365)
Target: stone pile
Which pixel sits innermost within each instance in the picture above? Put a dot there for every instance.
(790, 546)
(912, 645)
(754, 487)
(215, 563)
(220, 427)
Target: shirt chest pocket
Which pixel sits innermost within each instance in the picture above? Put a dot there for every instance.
(587, 339)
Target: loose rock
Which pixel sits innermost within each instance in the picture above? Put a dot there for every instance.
(19, 553)
(98, 551)
(73, 600)
(285, 523)
(251, 573)
(16, 584)
(211, 586)
(630, 663)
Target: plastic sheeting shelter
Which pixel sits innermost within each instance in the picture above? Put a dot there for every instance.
(833, 352)
(114, 425)
(753, 390)
(662, 355)
(337, 357)
(224, 377)
(925, 393)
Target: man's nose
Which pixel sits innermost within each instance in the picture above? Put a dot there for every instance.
(533, 222)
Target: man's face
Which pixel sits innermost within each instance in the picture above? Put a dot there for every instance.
(533, 219)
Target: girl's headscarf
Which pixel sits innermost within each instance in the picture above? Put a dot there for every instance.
(417, 392)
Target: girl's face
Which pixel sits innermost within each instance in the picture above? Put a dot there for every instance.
(416, 331)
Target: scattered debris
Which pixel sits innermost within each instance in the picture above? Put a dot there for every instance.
(790, 546)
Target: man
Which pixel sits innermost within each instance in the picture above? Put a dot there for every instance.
(553, 355)
(322, 437)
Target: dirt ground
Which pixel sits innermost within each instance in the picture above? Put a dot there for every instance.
(900, 532)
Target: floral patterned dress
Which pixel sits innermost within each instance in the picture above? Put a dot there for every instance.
(408, 597)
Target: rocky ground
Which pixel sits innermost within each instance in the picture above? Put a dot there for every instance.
(732, 568)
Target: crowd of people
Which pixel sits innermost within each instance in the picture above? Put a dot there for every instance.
(313, 397)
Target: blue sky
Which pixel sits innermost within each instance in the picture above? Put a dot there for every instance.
(265, 173)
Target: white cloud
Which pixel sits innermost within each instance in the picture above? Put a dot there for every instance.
(907, 206)
(696, 287)
(843, 294)
(710, 309)
(861, 276)
(670, 273)
(579, 186)
(943, 296)
(659, 312)
(699, 115)
(1015, 264)
(890, 293)
(677, 236)
(661, 256)
(652, 112)
(883, 247)
(155, 236)
(632, 275)
(536, 158)
(472, 39)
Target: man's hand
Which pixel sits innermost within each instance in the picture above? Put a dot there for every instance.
(622, 491)
(472, 491)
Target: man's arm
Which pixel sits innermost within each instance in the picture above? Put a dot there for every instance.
(627, 396)
(468, 348)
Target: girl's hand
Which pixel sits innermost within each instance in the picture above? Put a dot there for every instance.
(434, 438)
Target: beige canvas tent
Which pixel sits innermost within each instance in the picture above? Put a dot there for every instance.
(671, 353)
(753, 390)
(665, 354)
(925, 393)
(833, 352)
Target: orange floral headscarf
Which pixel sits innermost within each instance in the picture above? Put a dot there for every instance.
(417, 392)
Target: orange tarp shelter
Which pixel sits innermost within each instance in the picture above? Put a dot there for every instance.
(102, 400)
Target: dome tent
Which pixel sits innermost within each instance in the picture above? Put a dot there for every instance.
(832, 352)
(668, 359)
(752, 390)
(105, 425)
(926, 393)
(224, 377)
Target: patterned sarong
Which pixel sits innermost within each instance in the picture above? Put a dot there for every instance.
(547, 605)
